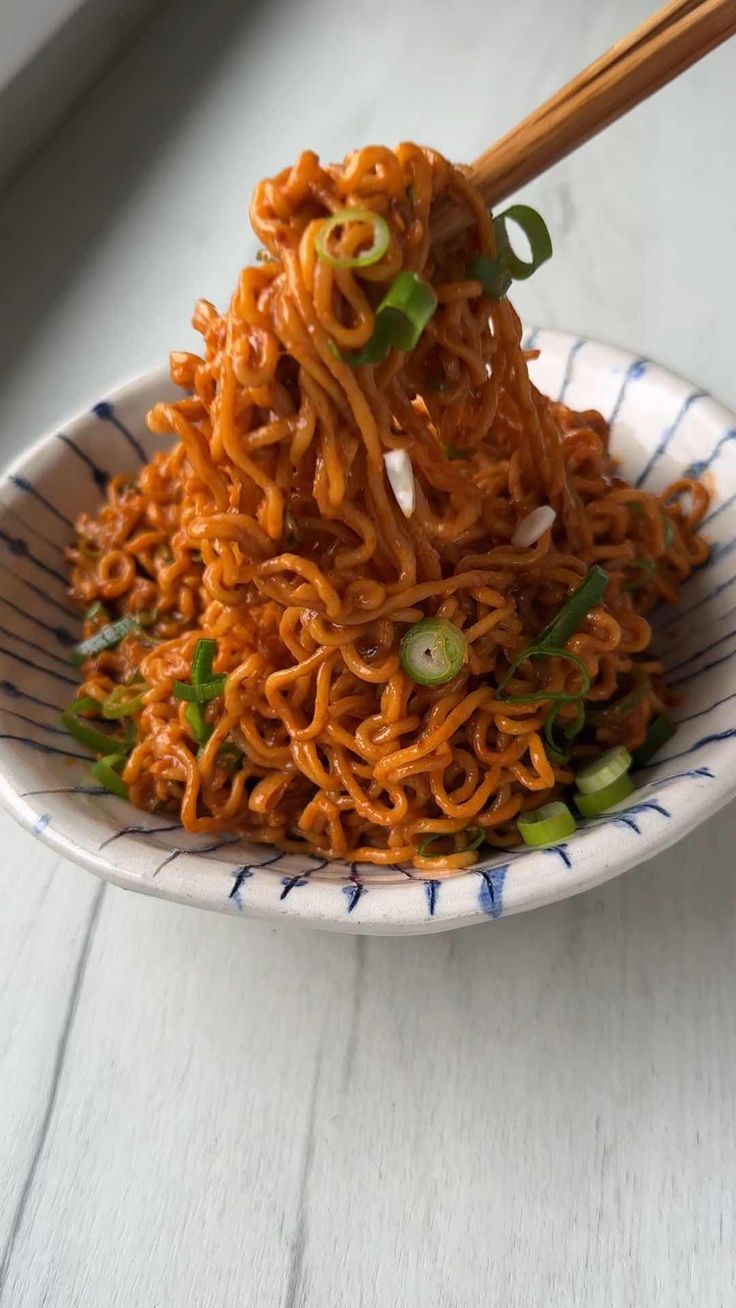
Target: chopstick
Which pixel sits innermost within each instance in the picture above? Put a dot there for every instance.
(656, 51)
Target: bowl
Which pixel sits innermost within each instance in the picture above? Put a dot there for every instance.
(662, 428)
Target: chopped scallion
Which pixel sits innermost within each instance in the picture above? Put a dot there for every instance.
(200, 694)
(496, 274)
(346, 217)
(432, 651)
(590, 805)
(539, 696)
(547, 825)
(660, 730)
(588, 594)
(401, 317)
(201, 730)
(97, 741)
(557, 751)
(124, 701)
(476, 836)
(605, 769)
(105, 638)
(646, 569)
(107, 771)
(86, 704)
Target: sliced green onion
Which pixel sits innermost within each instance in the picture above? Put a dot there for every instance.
(95, 740)
(451, 452)
(376, 251)
(476, 837)
(106, 771)
(539, 696)
(230, 752)
(476, 840)
(601, 800)
(647, 569)
(558, 752)
(432, 651)
(496, 274)
(86, 704)
(588, 594)
(536, 231)
(201, 730)
(547, 825)
(492, 274)
(202, 693)
(205, 653)
(661, 729)
(622, 706)
(604, 770)
(401, 317)
(97, 610)
(124, 701)
(668, 531)
(551, 642)
(105, 638)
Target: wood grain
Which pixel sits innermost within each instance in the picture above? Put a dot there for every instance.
(538, 1112)
(659, 49)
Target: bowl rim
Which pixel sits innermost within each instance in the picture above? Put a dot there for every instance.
(398, 908)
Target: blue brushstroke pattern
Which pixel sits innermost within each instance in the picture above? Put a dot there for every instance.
(99, 476)
(290, 882)
(106, 412)
(561, 851)
(353, 893)
(707, 599)
(241, 875)
(430, 889)
(635, 370)
(28, 489)
(20, 549)
(700, 466)
(700, 653)
(667, 436)
(575, 349)
(490, 894)
(28, 663)
(728, 734)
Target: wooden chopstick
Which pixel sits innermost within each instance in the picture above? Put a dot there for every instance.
(663, 46)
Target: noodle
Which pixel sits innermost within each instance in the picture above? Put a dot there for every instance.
(270, 527)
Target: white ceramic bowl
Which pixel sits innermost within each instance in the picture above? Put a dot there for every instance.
(662, 426)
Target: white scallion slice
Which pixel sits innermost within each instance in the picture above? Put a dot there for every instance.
(401, 479)
(533, 526)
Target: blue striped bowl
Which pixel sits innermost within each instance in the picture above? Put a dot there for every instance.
(662, 428)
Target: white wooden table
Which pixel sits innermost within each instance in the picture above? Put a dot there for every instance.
(215, 1113)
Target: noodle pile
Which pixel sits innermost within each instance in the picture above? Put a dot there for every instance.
(271, 528)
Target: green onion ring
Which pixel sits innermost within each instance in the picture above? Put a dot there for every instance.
(432, 651)
(105, 638)
(547, 825)
(97, 741)
(202, 693)
(660, 730)
(381, 238)
(105, 770)
(539, 696)
(124, 701)
(401, 317)
(601, 800)
(604, 770)
(576, 607)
